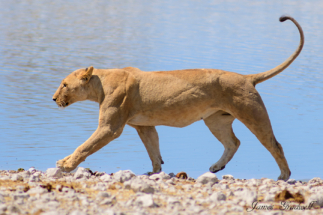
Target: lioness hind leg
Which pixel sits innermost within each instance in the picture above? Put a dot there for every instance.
(220, 124)
(149, 137)
(256, 118)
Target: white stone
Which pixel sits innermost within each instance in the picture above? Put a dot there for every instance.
(32, 170)
(82, 173)
(227, 177)
(106, 178)
(98, 174)
(237, 208)
(13, 209)
(173, 201)
(318, 197)
(274, 190)
(143, 177)
(281, 183)
(51, 213)
(172, 190)
(102, 195)
(207, 178)
(38, 174)
(34, 178)
(315, 180)
(249, 196)
(123, 175)
(218, 196)
(171, 181)
(138, 185)
(224, 186)
(161, 175)
(17, 177)
(145, 201)
(127, 185)
(17, 196)
(108, 212)
(53, 204)
(291, 181)
(69, 179)
(25, 175)
(263, 188)
(3, 208)
(99, 186)
(4, 177)
(77, 212)
(3, 194)
(269, 197)
(67, 190)
(37, 190)
(54, 173)
(197, 185)
(268, 181)
(109, 201)
(253, 182)
(153, 183)
(187, 187)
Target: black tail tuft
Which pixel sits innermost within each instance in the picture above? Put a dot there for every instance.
(284, 18)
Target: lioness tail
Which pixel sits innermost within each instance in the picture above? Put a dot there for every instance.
(260, 77)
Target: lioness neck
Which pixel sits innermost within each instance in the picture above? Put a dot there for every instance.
(95, 88)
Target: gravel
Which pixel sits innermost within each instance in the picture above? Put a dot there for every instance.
(85, 193)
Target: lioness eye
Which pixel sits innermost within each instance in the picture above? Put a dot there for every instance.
(64, 85)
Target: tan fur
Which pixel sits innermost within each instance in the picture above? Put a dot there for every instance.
(179, 98)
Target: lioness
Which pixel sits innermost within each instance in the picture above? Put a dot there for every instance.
(178, 98)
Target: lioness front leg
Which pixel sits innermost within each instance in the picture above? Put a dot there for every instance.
(110, 127)
(101, 137)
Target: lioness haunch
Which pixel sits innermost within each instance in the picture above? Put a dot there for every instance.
(144, 100)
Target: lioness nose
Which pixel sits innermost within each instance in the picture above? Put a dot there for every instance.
(54, 100)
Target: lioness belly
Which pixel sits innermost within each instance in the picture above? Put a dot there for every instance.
(174, 118)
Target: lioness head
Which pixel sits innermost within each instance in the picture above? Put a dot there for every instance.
(73, 88)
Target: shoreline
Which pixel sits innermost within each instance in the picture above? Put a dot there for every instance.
(86, 192)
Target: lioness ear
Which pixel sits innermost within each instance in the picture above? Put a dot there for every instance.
(86, 74)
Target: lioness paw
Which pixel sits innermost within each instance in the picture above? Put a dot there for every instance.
(215, 169)
(64, 164)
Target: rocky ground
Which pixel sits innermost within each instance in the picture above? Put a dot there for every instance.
(84, 192)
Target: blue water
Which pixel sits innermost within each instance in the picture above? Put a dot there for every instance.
(41, 42)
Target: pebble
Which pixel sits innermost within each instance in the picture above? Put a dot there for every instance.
(34, 178)
(159, 176)
(145, 201)
(105, 178)
(82, 173)
(207, 178)
(54, 173)
(17, 177)
(228, 177)
(291, 181)
(138, 185)
(123, 175)
(123, 192)
(77, 212)
(32, 170)
(218, 196)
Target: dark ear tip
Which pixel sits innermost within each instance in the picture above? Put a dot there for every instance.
(85, 69)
